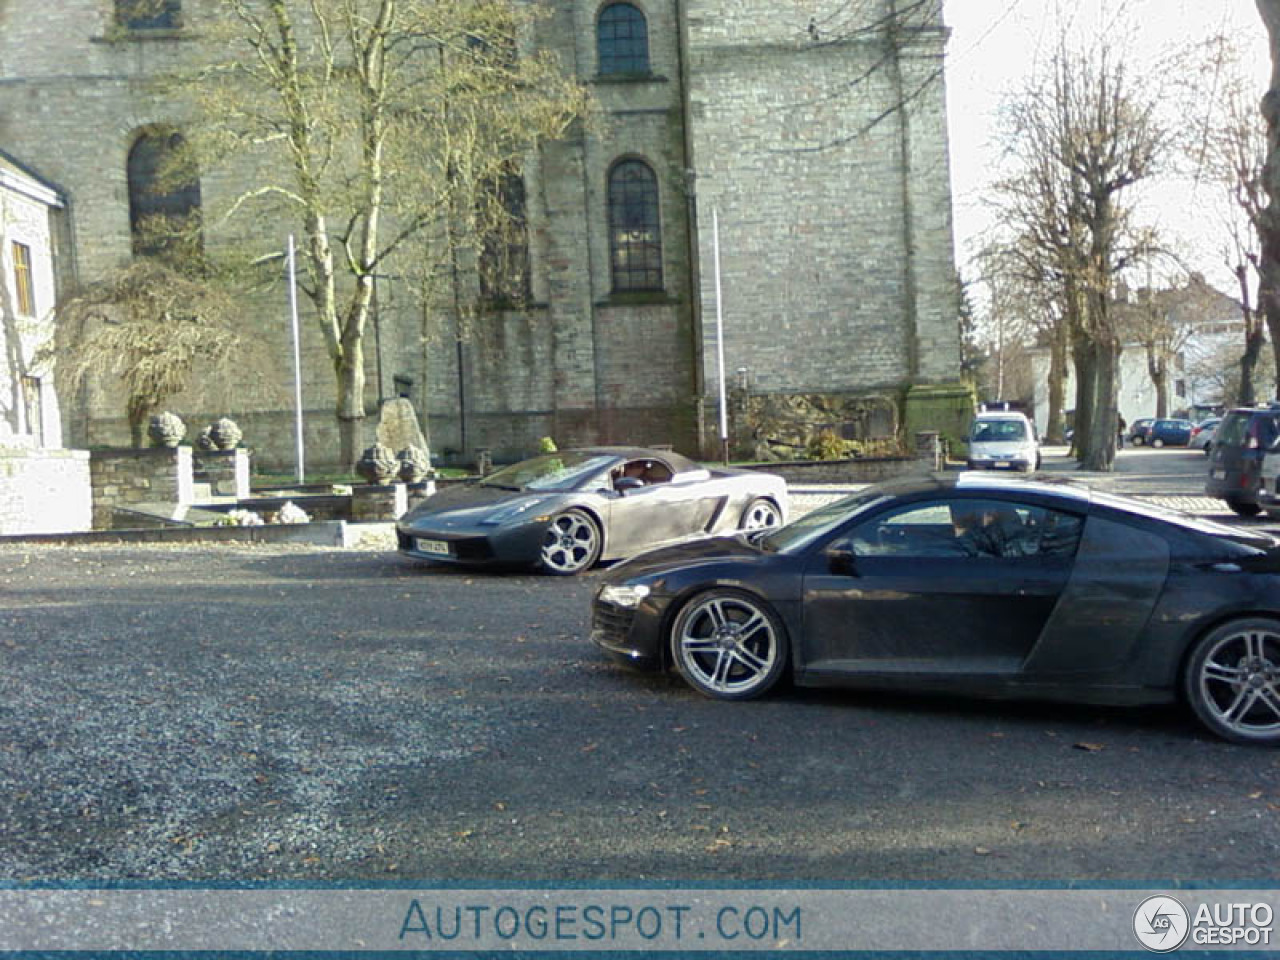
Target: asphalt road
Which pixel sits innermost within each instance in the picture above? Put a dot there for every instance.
(244, 713)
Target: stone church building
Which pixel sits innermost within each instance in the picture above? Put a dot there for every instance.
(814, 138)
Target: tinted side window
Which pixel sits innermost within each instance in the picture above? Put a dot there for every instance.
(969, 528)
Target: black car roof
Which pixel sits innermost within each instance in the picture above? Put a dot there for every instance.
(975, 482)
(678, 462)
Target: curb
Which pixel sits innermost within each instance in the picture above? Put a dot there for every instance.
(325, 533)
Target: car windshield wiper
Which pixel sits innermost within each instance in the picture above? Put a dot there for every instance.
(498, 486)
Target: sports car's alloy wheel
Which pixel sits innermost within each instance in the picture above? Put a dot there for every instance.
(1233, 681)
(571, 544)
(729, 645)
(759, 515)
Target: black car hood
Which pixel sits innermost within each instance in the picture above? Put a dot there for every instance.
(467, 497)
(705, 550)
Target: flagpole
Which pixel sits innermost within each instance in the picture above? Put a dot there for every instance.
(724, 417)
(297, 361)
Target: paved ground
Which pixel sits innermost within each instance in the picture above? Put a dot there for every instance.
(255, 712)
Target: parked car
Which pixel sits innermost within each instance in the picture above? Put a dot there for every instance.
(564, 512)
(1202, 433)
(1138, 432)
(1003, 440)
(1170, 433)
(1242, 439)
(974, 584)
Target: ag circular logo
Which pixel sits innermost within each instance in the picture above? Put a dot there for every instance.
(1161, 923)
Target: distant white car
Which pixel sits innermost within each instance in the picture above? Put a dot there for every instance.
(1003, 440)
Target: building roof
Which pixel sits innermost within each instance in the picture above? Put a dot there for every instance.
(22, 179)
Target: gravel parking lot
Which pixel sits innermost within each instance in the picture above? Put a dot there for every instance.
(251, 712)
(266, 712)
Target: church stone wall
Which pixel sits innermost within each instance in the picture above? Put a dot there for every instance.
(819, 294)
(827, 225)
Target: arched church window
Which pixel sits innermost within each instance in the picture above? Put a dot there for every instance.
(149, 14)
(622, 40)
(164, 197)
(635, 237)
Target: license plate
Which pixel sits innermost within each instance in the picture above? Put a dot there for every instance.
(1002, 463)
(433, 546)
(1217, 474)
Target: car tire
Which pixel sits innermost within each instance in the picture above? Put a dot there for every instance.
(1232, 681)
(1157, 442)
(1137, 441)
(571, 544)
(1244, 508)
(728, 645)
(760, 514)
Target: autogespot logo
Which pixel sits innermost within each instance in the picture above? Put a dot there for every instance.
(1161, 923)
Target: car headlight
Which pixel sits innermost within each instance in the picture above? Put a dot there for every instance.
(624, 594)
(521, 510)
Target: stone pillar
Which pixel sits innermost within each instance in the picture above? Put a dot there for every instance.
(929, 449)
(372, 502)
(226, 471)
(130, 476)
(417, 492)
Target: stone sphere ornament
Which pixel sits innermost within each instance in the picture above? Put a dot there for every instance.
(166, 430)
(378, 464)
(415, 464)
(224, 433)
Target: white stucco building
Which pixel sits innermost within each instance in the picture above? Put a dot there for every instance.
(28, 210)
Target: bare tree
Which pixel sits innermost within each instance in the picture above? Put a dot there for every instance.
(1081, 136)
(154, 327)
(1228, 146)
(361, 119)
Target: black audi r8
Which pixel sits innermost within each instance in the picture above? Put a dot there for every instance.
(970, 584)
(564, 512)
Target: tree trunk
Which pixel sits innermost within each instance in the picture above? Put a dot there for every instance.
(1269, 221)
(1084, 356)
(139, 416)
(1057, 384)
(1159, 372)
(1249, 363)
(350, 410)
(1100, 446)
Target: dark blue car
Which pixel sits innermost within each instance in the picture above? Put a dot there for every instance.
(1170, 433)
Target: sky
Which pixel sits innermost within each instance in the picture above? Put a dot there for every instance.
(996, 44)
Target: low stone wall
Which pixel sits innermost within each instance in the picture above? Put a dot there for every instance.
(126, 477)
(863, 470)
(226, 471)
(44, 491)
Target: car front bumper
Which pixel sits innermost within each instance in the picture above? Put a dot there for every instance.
(1010, 463)
(518, 545)
(631, 635)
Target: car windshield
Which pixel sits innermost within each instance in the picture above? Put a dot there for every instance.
(801, 532)
(986, 430)
(555, 471)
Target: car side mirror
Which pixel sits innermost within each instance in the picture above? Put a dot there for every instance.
(841, 559)
(623, 484)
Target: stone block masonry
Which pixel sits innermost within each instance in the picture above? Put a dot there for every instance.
(129, 477)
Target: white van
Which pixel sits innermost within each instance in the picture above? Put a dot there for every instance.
(1003, 440)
